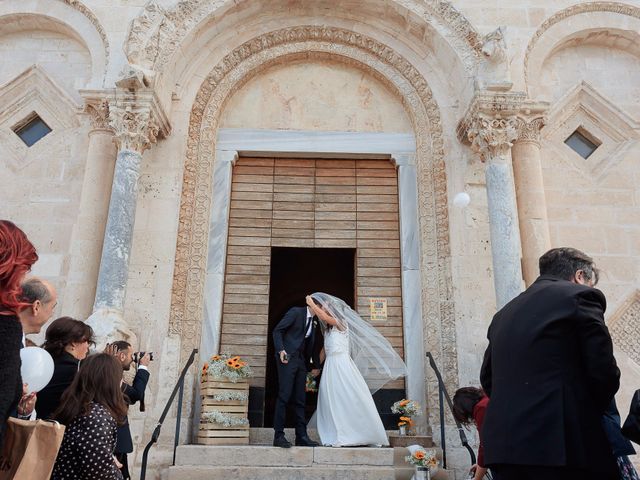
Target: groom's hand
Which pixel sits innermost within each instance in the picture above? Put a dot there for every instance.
(283, 357)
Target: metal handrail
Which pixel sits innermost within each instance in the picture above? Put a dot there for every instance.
(178, 389)
(442, 392)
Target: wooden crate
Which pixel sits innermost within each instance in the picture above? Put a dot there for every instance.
(218, 434)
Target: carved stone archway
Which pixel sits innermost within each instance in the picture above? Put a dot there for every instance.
(400, 76)
(157, 33)
(75, 19)
(569, 21)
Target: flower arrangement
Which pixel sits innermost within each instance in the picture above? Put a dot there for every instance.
(233, 369)
(230, 396)
(311, 385)
(224, 419)
(422, 458)
(405, 422)
(408, 408)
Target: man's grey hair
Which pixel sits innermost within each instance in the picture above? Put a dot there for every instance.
(35, 289)
(564, 262)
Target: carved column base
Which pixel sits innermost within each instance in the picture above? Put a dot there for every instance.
(108, 326)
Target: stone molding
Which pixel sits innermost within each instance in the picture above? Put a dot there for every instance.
(625, 327)
(590, 7)
(157, 33)
(137, 119)
(84, 10)
(34, 91)
(377, 59)
(585, 107)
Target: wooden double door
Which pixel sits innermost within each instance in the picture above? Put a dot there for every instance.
(302, 225)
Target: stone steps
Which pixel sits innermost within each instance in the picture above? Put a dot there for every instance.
(195, 462)
(281, 473)
(253, 462)
(266, 456)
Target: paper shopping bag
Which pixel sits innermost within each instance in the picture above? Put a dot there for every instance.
(30, 449)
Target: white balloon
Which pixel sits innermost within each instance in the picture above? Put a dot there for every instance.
(461, 199)
(37, 368)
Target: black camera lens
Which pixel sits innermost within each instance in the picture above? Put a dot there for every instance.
(138, 355)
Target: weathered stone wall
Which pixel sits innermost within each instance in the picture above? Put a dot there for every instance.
(579, 56)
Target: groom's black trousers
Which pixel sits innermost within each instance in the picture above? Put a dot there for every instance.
(292, 378)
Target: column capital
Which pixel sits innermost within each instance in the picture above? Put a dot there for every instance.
(531, 119)
(96, 106)
(137, 118)
(490, 123)
(529, 129)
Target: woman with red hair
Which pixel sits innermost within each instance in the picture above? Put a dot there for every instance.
(17, 254)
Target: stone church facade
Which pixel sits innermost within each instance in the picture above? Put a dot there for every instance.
(159, 152)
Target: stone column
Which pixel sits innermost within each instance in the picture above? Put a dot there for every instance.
(532, 205)
(491, 127)
(88, 232)
(217, 256)
(414, 354)
(137, 120)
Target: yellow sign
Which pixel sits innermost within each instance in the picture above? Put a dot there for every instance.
(378, 308)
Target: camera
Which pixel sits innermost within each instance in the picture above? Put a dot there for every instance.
(138, 355)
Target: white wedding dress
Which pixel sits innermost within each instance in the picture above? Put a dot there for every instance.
(346, 414)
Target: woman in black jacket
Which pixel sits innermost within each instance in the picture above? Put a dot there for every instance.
(67, 340)
(17, 254)
(91, 409)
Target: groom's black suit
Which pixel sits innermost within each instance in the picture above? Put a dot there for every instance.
(289, 335)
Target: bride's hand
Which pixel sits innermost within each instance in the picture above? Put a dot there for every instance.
(310, 301)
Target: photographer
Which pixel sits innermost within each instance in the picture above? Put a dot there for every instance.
(124, 353)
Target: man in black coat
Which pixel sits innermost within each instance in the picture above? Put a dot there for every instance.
(133, 393)
(295, 338)
(550, 374)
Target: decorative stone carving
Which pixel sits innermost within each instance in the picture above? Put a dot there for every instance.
(134, 126)
(492, 137)
(529, 129)
(136, 117)
(156, 34)
(98, 111)
(625, 327)
(490, 124)
(577, 9)
(493, 70)
(133, 77)
(395, 71)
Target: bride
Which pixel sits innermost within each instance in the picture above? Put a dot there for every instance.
(359, 361)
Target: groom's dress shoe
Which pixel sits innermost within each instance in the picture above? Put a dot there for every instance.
(282, 442)
(305, 442)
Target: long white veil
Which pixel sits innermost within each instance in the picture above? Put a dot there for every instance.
(374, 356)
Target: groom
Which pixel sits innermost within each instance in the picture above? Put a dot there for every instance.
(295, 338)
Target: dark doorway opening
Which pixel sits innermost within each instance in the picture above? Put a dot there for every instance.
(295, 273)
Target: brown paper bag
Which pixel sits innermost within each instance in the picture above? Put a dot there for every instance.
(30, 449)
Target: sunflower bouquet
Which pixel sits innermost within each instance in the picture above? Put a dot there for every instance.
(232, 368)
